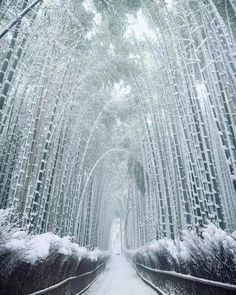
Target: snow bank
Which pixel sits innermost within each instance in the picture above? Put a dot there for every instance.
(32, 248)
(42, 260)
(210, 255)
(37, 247)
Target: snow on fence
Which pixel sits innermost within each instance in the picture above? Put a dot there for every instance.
(205, 262)
(169, 282)
(30, 263)
(74, 285)
(19, 275)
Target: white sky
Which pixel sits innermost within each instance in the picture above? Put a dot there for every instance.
(120, 92)
(139, 27)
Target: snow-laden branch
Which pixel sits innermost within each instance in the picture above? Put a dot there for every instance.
(18, 18)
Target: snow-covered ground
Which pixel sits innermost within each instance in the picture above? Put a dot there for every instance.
(119, 278)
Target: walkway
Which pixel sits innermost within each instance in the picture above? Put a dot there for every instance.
(119, 278)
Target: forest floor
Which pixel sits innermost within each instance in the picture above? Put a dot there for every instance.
(119, 278)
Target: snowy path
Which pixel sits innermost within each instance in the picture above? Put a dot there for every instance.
(119, 278)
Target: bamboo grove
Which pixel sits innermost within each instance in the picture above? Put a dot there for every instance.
(129, 98)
